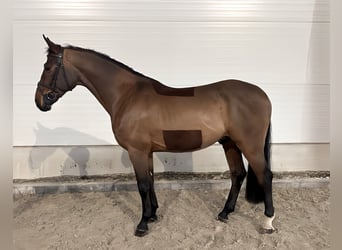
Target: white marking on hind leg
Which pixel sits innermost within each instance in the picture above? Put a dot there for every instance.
(268, 223)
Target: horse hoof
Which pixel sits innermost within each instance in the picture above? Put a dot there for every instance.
(140, 232)
(222, 219)
(268, 228)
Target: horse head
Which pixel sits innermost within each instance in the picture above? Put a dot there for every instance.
(57, 78)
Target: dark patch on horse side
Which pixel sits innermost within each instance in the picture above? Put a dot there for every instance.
(168, 91)
(182, 140)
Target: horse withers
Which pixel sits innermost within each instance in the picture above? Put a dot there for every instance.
(148, 117)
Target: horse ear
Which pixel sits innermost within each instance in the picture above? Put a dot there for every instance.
(54, 48)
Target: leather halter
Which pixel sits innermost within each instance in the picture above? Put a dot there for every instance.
(53, 85)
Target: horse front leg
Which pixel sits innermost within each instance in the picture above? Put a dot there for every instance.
(140, 161)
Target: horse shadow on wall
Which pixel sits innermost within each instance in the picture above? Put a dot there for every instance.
(76, 161)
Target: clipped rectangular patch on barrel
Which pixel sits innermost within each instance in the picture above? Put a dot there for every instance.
(182, 140)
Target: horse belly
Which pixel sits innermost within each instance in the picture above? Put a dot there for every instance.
(189, 129)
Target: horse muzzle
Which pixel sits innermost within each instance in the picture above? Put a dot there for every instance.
(45, 99)
(50, 98)
(43, 107)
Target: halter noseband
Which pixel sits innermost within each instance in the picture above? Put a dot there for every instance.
(53, 86)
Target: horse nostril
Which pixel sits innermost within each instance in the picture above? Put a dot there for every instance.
(51, 96)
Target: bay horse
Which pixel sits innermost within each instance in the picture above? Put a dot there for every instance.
(148, 117)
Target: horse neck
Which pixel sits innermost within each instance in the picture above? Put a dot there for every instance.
(107, 81)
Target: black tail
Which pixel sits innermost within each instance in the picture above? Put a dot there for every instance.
(254, 192)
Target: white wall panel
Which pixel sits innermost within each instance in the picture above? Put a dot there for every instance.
(176, 10)
(188, 53)
(77, 120)
(300, 113)
(282, 46)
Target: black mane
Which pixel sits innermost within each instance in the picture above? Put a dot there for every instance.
(108, 58)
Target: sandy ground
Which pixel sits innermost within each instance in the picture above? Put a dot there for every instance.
(186, 221)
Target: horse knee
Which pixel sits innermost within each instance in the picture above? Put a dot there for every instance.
(144, 186)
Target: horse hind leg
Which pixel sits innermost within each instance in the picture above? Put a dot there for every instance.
(237, 173)
(254, 192)
(259, 186)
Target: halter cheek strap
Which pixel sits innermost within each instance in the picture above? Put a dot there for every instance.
(53, 86)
